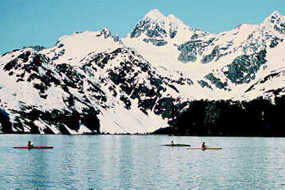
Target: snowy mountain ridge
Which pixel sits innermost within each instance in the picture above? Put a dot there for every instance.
(93, 82)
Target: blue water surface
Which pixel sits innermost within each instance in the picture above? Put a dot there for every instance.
(140, 162)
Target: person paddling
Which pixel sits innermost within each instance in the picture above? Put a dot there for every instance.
(203, 146)
(30, 144)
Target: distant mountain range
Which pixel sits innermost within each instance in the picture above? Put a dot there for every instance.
(93, 82)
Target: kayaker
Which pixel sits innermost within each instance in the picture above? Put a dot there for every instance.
(30, 144)
(203, 146)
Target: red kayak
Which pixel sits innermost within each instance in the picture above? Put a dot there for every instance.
(33, 147)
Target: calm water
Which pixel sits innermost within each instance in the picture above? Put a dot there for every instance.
(139, 162)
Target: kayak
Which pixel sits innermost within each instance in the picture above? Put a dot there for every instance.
(175, 145)
(207, 148)
(34, 147)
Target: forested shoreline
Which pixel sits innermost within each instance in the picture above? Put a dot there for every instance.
(259, 117)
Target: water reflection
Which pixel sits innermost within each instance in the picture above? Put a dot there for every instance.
(126, 163)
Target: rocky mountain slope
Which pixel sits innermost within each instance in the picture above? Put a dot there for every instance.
(93, 82)
(227, 63)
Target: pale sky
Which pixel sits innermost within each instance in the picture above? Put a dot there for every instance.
(42, 22)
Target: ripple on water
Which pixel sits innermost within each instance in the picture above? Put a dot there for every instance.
(139, 162)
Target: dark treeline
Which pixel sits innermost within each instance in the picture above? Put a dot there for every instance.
(258, 117)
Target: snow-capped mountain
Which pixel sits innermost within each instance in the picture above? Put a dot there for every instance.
(227, 63)
(71, 49)
(114, 91)
(93, 82)
(159, 30)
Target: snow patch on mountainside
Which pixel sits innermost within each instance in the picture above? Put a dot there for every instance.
(73, 48)
(120, 120)
(272, 78)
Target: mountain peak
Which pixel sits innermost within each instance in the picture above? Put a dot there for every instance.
(154, 14)
(275, 13)
(173, 19)
(171, 16)
(106, 32)
(273, 17)
(158, 28)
